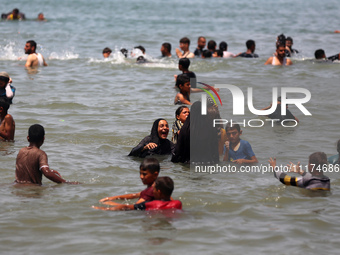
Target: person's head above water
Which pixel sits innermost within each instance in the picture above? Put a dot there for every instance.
(106, 52)
(223, 46)
(30, 47)
(166, 49)
(183, 64)
(36, 134)
(320, 54)
(159, 130)
(251, 45)
(141, 48)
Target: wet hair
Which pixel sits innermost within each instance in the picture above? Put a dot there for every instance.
(124, 51)
(182, 79)
(211, 45)
(184, 62)
(5, 79)
(230, 126)
(16, 11)
(150, 164)
(165, 184)
(250, 43)
(141, 60)
(4, 103)
(180, 110)
(289, 39)
(281, 39)
(280, 44)
(206, 54)
(167, 46)
(32, 43)
(318, 160)
(219, 53)
(223, 46)
(36, 133)
(319, 54)
(185, 40)
(141, 48)
(107, 50)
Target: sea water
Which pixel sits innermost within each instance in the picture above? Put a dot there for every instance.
(95, 110)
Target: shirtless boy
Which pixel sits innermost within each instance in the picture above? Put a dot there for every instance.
(32, 162)
(34, 59)
(184, 44)
(7, 124)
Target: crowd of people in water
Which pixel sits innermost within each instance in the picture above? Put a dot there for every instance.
(15, 14)
(195, 140)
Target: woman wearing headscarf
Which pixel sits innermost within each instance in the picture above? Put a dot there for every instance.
(155, 143)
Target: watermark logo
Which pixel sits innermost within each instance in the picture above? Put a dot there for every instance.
(204, 97)
(238, 100)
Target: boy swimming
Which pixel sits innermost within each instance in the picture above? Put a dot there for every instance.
(149, 170)
(162, 190)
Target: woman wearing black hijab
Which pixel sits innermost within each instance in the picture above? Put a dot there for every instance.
(155, 143)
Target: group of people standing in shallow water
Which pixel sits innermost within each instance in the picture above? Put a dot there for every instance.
(194, 140)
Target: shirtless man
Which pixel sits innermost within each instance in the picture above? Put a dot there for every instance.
(7, 124)
(279, 58)
(32, 162)
(184, 44)
(34, 59)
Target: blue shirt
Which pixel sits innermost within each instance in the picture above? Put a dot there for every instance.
(244, 151)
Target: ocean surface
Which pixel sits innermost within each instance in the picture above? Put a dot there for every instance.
(94, 111)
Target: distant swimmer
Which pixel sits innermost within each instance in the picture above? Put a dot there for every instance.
(124, 52)
(320, 54)
(166, 50)
(106, 52)
(289, 50)
(279, 58)
(200, 46)
(41, 17)
(224, 48)
(13, 15)
(184, 44)
(250, 50)
(34, 59)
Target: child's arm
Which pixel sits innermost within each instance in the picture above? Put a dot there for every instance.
(253, 159)
(226, 154)
(126, 196)
(7, 128)
(115, 208)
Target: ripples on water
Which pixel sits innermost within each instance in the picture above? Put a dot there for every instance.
(96, 110)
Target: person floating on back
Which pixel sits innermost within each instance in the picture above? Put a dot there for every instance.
(32, 162)
(7, 124)
(34, 59)
(236, 149)
(162, 190)
(148, 171)
(312, 180)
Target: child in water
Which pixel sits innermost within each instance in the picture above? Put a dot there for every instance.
(236, 149)
(162, 190)
(7, 124)
(148, 171)
(183, 83)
